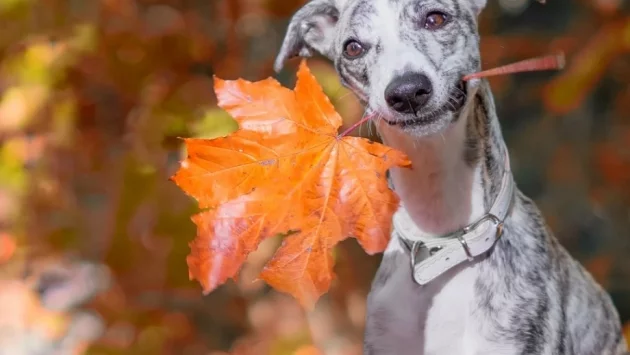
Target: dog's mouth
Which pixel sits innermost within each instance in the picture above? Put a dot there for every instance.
(454, 103)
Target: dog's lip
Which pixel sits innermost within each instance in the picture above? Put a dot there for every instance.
(459, 94)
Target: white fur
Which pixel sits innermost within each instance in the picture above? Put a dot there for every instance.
(446, 323)
(451, 195)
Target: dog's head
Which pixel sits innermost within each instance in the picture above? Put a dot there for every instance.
(404, 58)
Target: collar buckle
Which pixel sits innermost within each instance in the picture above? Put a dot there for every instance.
(462, 241)
(414, 249)
(464, 244)
(488, 216)
(415, 246)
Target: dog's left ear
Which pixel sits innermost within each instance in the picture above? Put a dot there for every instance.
(478, 5)
(312, 28)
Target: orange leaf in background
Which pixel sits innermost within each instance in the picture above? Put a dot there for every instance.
(627, 333)
(567, 91)
(307, 350)
(285, 170)
(7, 247)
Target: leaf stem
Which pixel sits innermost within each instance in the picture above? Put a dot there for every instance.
(550, 62)
(355, 125)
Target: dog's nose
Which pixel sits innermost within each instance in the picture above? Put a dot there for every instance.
(408, 93)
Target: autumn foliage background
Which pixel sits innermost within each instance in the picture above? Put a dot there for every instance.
(93, 95)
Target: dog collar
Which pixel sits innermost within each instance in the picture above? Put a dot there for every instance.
(465, 244)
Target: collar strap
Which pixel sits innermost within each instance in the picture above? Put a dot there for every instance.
(465, 244)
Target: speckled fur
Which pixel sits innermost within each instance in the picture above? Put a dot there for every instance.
(527, 295)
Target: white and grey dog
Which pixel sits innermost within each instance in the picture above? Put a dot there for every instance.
(471, 268)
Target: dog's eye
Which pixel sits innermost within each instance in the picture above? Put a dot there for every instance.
(435, 20)
(353, 49)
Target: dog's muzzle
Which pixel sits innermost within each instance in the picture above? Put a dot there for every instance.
(454, 103)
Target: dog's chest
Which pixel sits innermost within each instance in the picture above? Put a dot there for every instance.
(438, 318)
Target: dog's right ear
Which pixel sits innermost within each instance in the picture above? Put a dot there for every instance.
(312, 28)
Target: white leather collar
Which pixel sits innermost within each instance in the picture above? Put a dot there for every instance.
(465, 244)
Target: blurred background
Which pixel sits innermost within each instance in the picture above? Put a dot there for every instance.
(95, 93)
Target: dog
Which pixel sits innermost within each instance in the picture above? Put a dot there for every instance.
(472, 267)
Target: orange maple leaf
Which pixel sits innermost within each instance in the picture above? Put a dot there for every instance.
(286, 169)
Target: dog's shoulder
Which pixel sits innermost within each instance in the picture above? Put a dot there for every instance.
(540, 296)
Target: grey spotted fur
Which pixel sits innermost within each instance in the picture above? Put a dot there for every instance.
(528, 296)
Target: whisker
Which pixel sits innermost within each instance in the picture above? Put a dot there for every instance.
(364, 113)
(345, 95)
(452, 103)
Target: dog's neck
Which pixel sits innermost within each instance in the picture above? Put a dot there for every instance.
(456, 174)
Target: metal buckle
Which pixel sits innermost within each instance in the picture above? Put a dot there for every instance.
(465, 246)
(485, 217)
(415, 247)
(468, 228)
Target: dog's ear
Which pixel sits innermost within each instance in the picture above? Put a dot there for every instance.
(478, 5)
(312, 28)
